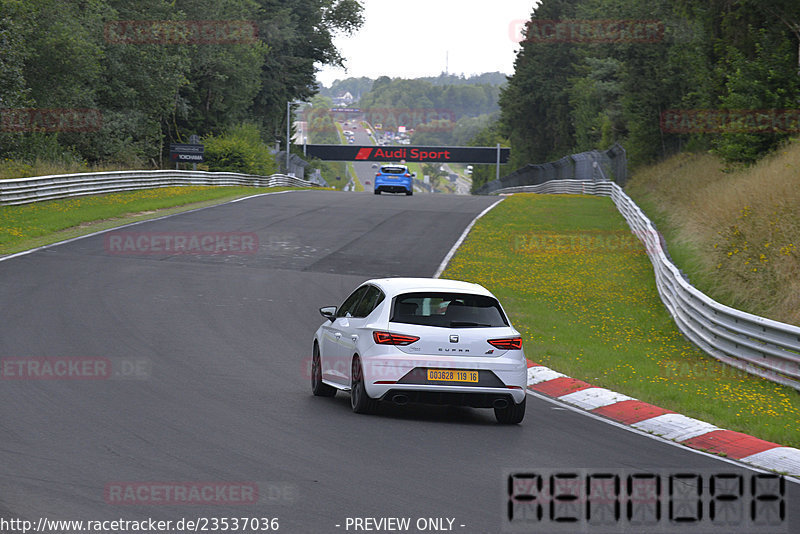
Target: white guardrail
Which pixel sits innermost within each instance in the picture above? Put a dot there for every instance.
(757, 345)
(25, 190)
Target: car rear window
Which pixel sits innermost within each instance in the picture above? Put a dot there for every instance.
(448, 310)
(393, 170)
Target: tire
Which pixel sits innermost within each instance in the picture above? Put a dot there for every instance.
(377, 191)
(511, 414)
(359, 400)
(409, 193)
(318, 387)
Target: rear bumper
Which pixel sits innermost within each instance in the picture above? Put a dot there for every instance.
(500, 377)
(473, 399)
(393, 186)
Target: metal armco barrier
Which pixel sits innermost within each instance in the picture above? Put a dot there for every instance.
(25, 190)
(754, 344)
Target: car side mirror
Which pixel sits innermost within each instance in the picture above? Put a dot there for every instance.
(413, 174)
(329, 312)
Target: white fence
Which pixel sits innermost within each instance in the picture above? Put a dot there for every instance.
(25, 190)
(760, 346)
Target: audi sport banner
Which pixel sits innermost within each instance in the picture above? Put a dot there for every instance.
(419, 154)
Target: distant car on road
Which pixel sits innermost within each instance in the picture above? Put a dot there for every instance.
(394, 179)
(421, 340)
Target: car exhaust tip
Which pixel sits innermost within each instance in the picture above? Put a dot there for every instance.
(400, 400)
(500, 404)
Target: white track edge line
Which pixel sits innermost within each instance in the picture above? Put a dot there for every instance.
(731, 461)
(451, 253)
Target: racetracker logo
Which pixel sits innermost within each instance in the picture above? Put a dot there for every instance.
(50, 120)
(429, 120)
(383, 120)
(684, 121)
(57, 368)
(586, 31)
(75, 368)
(383, 370)
(181, 493)
(583, 242)
(197, 243)
(183, 32)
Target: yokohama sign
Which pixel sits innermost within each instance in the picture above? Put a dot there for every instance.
(420, 154)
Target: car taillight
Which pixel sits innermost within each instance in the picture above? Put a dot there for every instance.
(507, 343)
(387, 338)
(408, 175)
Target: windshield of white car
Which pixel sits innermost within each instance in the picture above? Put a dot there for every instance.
(448, 310)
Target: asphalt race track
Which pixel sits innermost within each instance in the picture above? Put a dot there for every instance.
(210, 356)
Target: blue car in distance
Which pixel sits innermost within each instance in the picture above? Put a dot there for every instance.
(394, 179)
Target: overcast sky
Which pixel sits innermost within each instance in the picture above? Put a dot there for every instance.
(413, 38)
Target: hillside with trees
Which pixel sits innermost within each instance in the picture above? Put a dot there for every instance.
(731, 55)
(154, 85)
(417, 94)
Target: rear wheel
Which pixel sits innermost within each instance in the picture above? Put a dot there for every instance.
(359, 400)
(318, 387)
(409, 193)
(511, 414)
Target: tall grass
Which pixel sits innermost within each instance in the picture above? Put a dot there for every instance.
(10, 168)
(735, 233)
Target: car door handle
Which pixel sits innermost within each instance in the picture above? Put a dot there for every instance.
(337, 335)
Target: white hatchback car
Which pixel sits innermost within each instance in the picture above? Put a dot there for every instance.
(421, 340)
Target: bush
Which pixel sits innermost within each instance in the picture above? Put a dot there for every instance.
(240, 149)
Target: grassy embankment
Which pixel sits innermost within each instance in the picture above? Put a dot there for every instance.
(16, 169)
(736, 234)
(40, 223)
(582, 292)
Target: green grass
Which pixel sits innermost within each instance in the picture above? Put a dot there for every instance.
(40, 223)
(356, 182)
(10, 169)
(580, 289)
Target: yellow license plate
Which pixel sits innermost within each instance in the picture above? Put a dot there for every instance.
(452, 375)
